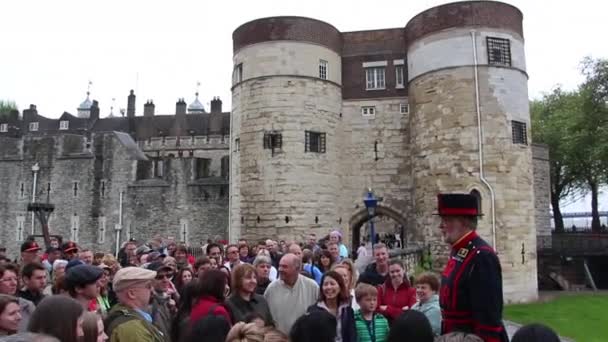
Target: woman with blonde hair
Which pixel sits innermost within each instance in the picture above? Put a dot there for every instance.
(345, 269)
(245, 332)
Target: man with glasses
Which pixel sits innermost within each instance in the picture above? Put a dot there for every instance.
(163, 297)
(130, 320)
(232, 254)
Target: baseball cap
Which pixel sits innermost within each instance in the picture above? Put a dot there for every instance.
(130, 276)
(69, 246)
(73, 263)
(81, 275)
(30, 246)
(158, 266)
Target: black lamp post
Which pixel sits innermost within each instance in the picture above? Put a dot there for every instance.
(371, 202)
(42, 211)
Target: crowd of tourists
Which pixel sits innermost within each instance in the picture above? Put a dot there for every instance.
(264, 291)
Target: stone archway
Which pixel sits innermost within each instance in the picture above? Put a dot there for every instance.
(361, 217)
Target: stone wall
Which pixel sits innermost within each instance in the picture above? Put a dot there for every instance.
(86, 176)
(542, 195)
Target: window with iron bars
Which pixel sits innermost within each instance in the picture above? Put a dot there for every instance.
(314, 142)
(499, 51)
(519, 132)
(273, 140)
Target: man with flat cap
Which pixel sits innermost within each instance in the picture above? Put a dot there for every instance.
(81, 283)
(129, 320)
(471, 284)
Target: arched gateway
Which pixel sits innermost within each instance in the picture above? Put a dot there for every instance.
(362, 216)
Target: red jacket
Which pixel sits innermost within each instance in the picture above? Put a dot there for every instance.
(395, 300)
(204, 305)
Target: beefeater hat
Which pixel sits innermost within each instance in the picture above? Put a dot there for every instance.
(457, 205)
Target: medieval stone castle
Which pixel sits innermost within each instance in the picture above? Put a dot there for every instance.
(318, 116)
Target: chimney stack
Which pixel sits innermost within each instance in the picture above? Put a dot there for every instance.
(149, 108)
(216, 105)
(30, 114)
(180, 107)
(131, 104)
(94, 111)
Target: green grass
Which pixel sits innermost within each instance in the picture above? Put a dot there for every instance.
(583, 318)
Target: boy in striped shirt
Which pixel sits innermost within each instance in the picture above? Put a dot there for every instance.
(371, 326)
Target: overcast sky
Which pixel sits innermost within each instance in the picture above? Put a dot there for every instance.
(161, 49)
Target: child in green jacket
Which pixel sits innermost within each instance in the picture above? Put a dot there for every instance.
(371, 326)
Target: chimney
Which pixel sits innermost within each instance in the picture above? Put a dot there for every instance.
(149, 108)
(180, 107)
(94, 111)
(30, 114)
(131, 104)
(216, 105)
(13, 115)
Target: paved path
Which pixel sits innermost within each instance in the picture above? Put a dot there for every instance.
(512, 328)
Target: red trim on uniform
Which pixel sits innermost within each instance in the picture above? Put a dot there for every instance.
(460, 321)
(456, 313)
(458, 211)
(466, 261)
(464, 240)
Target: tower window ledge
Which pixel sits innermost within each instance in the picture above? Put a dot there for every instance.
(209, 181)
(149, 183)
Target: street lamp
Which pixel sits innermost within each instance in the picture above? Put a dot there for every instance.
(35, 169)
(371, 202)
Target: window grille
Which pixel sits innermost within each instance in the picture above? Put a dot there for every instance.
(519, 132)
(315, 142)
(499, 51)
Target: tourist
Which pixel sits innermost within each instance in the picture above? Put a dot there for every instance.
(10, 315)
(290, 296)
(171, 263)
(86, 256)
(98, 258)
(273, 273)
(214, 251)
(210, 328)
(371, 326)
(427, 285)
(180, 327)
(70, 250)
(58, 316)
(212, 293)
(377, 273)
(52, 254)
(325, 262)
(307, 261)
(29, 337)
(182, 257)
(472, 298)
(163, 297)
(319, 326)
(92, 328)
(106, 298)
(396, 295)
(336, 237)
(335, 299)
(535, 333)
(81, 284)
(232, 257)
(312, 244)
(334, 251)
(58, 271)
(459, 336)
(9, 281)
(345, 271)
(275, 252)
(245, 332)
(244, 253)
(34, 281)
(30, 252)
(361, 251)
(201, 265)
(262, 266)
(244, 300)
(129, 320)
(183, 277)
(411, 326)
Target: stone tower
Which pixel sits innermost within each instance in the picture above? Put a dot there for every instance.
(287, 101)
(469, 112)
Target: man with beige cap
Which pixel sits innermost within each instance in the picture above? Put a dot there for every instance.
(129, 320)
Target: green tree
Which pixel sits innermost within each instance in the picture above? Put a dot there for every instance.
(551, 119)
(6, 107)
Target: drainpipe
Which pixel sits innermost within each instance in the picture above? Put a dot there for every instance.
(480, 141)
(118, 227)
(230, 180)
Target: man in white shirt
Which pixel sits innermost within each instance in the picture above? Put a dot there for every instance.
(290, 295)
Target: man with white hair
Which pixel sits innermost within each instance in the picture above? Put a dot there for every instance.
(129, 320)
(336, 237)
(290, 296)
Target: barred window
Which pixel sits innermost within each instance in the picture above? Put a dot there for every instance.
(273, 140)
(323, 69)
(499, 51)
(519, 132)
(314, 142)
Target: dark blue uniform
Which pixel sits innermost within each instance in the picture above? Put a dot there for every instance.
(471, 290)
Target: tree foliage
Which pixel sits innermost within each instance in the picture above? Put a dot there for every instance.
(6, 107)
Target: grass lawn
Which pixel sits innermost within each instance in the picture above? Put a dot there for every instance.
(583, 318)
